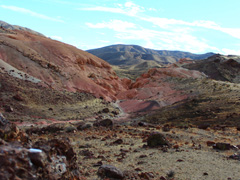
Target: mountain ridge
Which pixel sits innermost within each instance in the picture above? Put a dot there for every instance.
(121, 54)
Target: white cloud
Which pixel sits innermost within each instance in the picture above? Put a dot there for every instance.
(180, 40)
(131, 9)
(57, 38)
(171, 34)
(173, 24)
(31, 13)
(104, 9)
(230, 51)
(235, 32)
(128, 8)
(116, 25)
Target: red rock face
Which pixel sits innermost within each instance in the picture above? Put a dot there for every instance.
(153, 90)
(58, 65)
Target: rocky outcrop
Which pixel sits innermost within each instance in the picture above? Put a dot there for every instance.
(218, 67)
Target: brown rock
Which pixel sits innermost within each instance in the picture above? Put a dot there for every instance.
(203, 126)
(105, 110)
(84, 126)
(118, 141)
(17, 97)
(146, 175)
(142, 156)
(104, 123)
(109, 171)
(210, 143)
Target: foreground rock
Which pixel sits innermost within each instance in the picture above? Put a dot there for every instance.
(46, 159)
(55, 161)
(108, 171)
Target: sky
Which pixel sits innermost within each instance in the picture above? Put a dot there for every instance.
(186, 25)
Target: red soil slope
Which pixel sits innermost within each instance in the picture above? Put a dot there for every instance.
(156, 89)
(58, 65)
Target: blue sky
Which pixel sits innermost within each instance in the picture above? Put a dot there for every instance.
(187, 25)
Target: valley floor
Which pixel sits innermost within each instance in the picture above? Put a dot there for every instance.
(124, 147)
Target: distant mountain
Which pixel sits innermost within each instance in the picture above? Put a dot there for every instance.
(133, 54)
(7, 26)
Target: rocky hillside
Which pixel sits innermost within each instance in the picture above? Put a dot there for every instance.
(7, 26)
(56, 65)
(219, 67)
(133, 54)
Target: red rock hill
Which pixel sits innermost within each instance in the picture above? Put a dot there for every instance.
(57, 65)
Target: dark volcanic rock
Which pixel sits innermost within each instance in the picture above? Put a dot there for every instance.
(157, 139)
(83, 126)
(235, 156)
(104, 123)
(108, 171)
(222, 146)
(203, 126)
(105, 110)
(118, 141)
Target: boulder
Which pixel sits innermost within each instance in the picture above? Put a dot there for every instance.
(109, 171)
(83, 126)
(157, 139)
